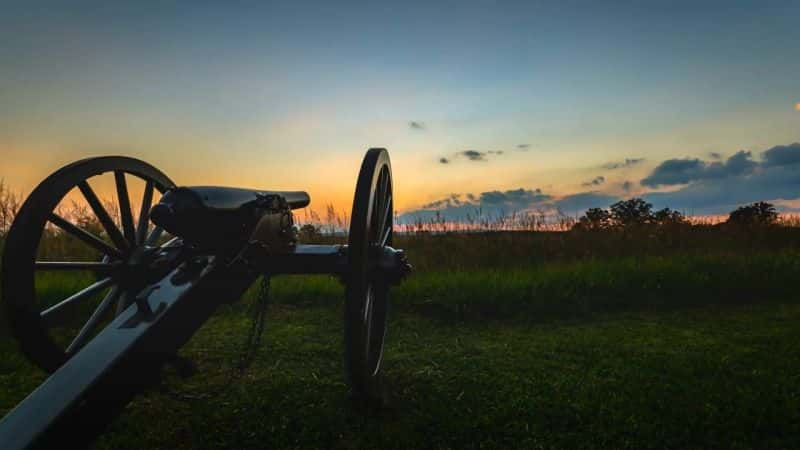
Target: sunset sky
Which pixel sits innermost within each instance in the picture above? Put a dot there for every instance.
(510, 105)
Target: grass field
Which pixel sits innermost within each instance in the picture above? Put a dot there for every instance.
(682, 348)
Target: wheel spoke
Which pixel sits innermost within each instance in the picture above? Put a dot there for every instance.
(144, 213)
(72, 265)
(384, 183)
(367, 301)
(385, 238)
(89, 326)
(368, 307)
(386, 225)
(385, 206)
(382, 190)
(102, 216)
(377, 210)
(52, 315)
(122, 303)
(125, 212)
(154, 236)
(170, 243)
(90, 239)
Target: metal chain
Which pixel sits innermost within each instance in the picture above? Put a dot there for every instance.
(249, 349)
(258, 314)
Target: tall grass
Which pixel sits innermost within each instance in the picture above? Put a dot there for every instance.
(509, 249)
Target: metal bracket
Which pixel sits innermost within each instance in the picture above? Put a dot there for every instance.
(144, 311)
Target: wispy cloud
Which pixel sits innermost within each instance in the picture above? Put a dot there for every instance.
(473, 155)
(489, 203)
(596, 181)
(628, 162)
(523, 146)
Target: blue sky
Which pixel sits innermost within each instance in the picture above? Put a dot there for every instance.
(291, 95)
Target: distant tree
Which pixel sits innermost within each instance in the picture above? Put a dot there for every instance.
(667, 217)
(632, 212)
(594, 219)
(759, 213)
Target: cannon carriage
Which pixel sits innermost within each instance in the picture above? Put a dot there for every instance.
(162, 274)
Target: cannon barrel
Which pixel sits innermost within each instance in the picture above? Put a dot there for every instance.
(228, 198)
(220, 218)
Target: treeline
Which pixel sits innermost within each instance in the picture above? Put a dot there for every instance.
(636, 212)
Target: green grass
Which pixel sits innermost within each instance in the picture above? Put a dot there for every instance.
(533, 340)
(695, 378)
(631, 352)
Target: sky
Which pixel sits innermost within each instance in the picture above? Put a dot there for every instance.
(499, 105)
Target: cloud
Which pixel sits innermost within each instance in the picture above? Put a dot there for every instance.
(722, 195)
(596, 181)
(675, 171)
(448, 202)
(699, 187)
(782, 155)
(577, 204)
(717, 188)
(473, 155)
(460, 207)
(524, 147)
(628, 162)
(513, 200)
(682, 171)
(414, 125)
(465, 207)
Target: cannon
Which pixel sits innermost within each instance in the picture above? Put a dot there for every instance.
(159, 276)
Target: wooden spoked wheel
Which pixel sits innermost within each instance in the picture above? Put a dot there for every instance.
(55, 304)
(366, 289)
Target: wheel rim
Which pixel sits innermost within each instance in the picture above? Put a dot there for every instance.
(52, 327)
(370, 230)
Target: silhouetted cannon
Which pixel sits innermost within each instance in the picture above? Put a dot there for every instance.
(159, 276)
